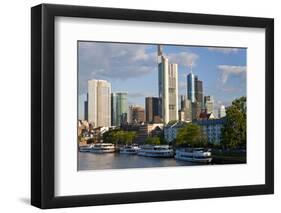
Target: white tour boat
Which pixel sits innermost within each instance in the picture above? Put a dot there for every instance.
(129, 149)
(164, 151)
(103, 148)
(195, 155)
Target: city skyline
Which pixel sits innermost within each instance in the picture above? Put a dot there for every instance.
(133, 68)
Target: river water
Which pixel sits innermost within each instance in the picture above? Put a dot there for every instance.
(95, 161)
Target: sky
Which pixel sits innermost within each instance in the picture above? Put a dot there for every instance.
(133, 68)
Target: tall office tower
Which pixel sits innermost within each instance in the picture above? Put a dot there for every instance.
(221, 111)
(196, 110)
(209, 104)
(136, 114)
(191, 87)
(173, 92)
(163, 85)
(186, 107)
(99, 103)
(199, 91)
(86, 108)
(152, 109)
(119, 108)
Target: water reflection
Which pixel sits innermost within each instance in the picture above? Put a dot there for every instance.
(91, 161)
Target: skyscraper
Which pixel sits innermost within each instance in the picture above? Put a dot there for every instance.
(163, 87)
(191, 87)
(221, 111)
(199, 91)
(209, 104)
(173, 92)
(119, 108)
(186, 107)
(99, 103)
(196, 110)
(152, 109)
(167, 87)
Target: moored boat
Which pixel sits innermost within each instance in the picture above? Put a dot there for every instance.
(103, 148)
(195, 155)
(129, 149)
(161, 151)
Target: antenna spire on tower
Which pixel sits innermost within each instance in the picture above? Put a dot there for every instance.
(160, 50)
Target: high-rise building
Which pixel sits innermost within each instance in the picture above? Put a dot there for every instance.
(191, 87)
(209, 104)
(86, 108)
(221, 111)
(119, 108)
(163, 87)
(136, 114)
(99, 103)
(173, 92)
(186, 108)
(196, 110)
(199, 91)
(151, 109)
(167, 87)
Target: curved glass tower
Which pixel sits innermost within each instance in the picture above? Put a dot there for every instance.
(191, 87)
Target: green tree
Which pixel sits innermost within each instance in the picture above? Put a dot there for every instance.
(119, 137)
(128, 136)
(153, 140)
(191, 135)
(234, 130)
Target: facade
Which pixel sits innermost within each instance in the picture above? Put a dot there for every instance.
(186, 109)
(221, 111)
(173, 92)
(191, 87)
(152, 109)
(199, 91)
(86, 109)
(146, 130)
(196, 110)
(99, 103)
(209, 104)
(212, 129)
(181, 115)
(136, 114)
(163, 88)
(119, 108)
(171, 130)
(167, 88)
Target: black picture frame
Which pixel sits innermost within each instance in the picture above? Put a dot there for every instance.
(43, 105)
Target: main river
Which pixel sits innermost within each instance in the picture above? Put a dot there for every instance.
(90, 161)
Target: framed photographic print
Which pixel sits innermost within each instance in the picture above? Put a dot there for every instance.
(139, 106)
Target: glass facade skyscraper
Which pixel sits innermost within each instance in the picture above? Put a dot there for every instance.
(191, 87)
(119, 105)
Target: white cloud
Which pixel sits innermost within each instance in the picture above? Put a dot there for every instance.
(114, 60)
(226, 50)
(228, 70)
(183, 58)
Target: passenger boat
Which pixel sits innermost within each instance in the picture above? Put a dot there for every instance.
(195, 155)
(129, 149)
(103, 148)
(160, 151)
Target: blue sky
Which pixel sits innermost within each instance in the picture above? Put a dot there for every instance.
(133, 68)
